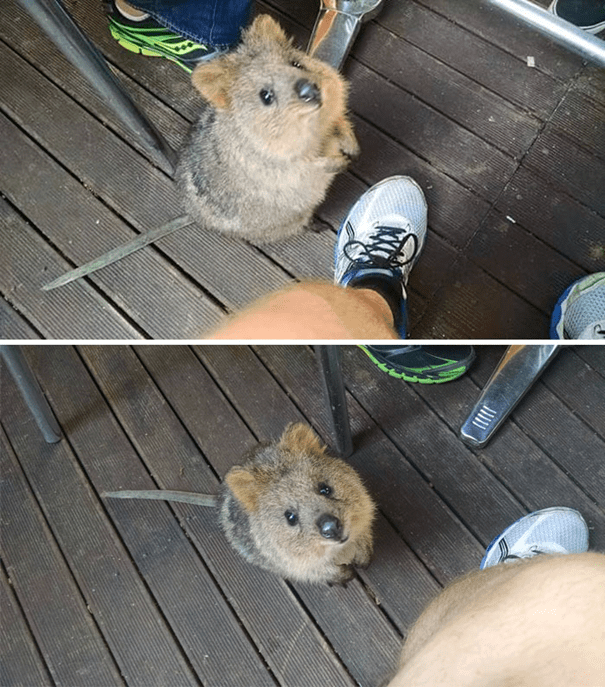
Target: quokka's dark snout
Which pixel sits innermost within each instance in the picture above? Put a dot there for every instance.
(329, 527)
(307, 91)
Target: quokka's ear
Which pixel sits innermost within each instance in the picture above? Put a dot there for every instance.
(264, 28)
(300, 438)
(214, 80)
(245, 486)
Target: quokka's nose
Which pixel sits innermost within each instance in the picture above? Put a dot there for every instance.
(329, 526)
(306, 90)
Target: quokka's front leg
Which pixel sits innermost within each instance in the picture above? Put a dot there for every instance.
(342, 146)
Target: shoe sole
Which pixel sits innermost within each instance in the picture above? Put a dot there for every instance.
(408, 377)
(142, 50)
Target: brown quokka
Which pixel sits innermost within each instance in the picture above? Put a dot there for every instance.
(292, 509)
(272, 135)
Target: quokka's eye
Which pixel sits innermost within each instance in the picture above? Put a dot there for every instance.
(291, 517)
(297, 64)
(267, 96)
(325, 489)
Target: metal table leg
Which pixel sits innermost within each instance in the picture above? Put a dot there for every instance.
(31, 392)
(337, 26)
(61, 29)
(517, 371)
(328, 358)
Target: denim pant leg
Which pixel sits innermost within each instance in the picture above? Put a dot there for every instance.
(214, 22)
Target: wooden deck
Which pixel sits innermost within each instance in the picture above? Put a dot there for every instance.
(512, 159)
(99, 593)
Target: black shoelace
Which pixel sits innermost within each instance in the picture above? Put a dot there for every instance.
(387, 240)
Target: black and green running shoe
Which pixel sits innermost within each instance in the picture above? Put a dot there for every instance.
(423, 364)
(148, 37)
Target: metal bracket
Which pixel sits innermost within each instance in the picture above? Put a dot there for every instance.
(337, 26)
(511, 380)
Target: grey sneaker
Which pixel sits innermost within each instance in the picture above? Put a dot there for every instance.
(556, 530)
(580, 311)
(382, 236)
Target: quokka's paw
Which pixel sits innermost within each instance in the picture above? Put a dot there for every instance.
(342, 147)
(349, 147)
(345, 574)
(364, 556)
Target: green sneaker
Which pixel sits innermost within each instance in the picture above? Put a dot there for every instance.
(147, 37)
(422, 364)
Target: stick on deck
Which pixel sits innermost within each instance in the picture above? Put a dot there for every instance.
(119, 252)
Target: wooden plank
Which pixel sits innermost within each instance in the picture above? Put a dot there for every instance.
(581, 119)
(22, 664)
(332, 611)
(592, 82)
(68, 313)
(513, 256)
(586, 467)
(307, 256)
(428, 133)
(479, 59)
(174, 461)
(579, 385)
(592, 355)
(65, 632)
(121, 177)
(530, 473)
(200, 618)
(467, 30)
(569, 168)
(13, 325)
(369, 658)
(460, 98)
(116, 597)
(161, 301)
(200, 405)
(511, 35)
(555, 218)
(41, 52)
(473, 305)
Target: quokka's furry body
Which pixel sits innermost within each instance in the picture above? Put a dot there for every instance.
(295, 510)
(272, 135)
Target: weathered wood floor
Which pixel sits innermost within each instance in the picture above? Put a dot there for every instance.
(99, 593)
(512, 159)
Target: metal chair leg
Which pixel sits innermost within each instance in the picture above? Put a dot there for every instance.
(61, 29)
(517, 371)
(337, 26)
(328, 358)
(31, 392)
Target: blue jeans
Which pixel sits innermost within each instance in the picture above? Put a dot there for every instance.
(213, 22)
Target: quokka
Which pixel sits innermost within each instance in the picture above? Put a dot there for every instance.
(271, 136)
(292, 509)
